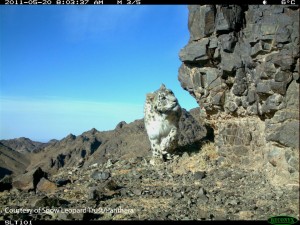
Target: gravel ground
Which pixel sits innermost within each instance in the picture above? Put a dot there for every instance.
(135, 190)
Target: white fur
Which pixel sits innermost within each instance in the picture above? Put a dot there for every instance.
(158, 127)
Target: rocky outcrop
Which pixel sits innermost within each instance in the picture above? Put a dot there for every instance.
(242, 66)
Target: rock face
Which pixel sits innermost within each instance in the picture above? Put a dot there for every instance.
(242, 66)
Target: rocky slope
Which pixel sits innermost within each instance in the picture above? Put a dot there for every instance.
(197, 187)
(242, 66)
(12, 162)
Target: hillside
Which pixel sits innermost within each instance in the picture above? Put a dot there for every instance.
(12, 162)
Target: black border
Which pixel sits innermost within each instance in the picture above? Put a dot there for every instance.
(144, 2)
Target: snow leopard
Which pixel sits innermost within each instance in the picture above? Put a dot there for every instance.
(161, 116)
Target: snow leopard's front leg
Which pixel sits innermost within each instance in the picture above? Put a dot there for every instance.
(156, 149)
(157, 156)
(169, 143)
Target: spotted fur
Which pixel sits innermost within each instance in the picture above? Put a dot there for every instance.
(161, 116)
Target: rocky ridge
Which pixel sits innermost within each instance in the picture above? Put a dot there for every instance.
(25, 145)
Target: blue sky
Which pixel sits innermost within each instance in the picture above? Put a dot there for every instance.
(67, 69)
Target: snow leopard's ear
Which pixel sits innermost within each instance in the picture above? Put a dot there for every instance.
(162, 87)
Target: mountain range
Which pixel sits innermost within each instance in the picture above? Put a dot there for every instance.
(93, 146)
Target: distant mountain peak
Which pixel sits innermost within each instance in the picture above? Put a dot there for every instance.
(120, 125)
(24, 145)
(70, 137)
(93, 131)
(23, 139)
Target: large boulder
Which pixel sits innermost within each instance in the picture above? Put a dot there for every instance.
(29, 180)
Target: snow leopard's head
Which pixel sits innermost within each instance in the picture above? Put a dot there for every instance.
(164, 100)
